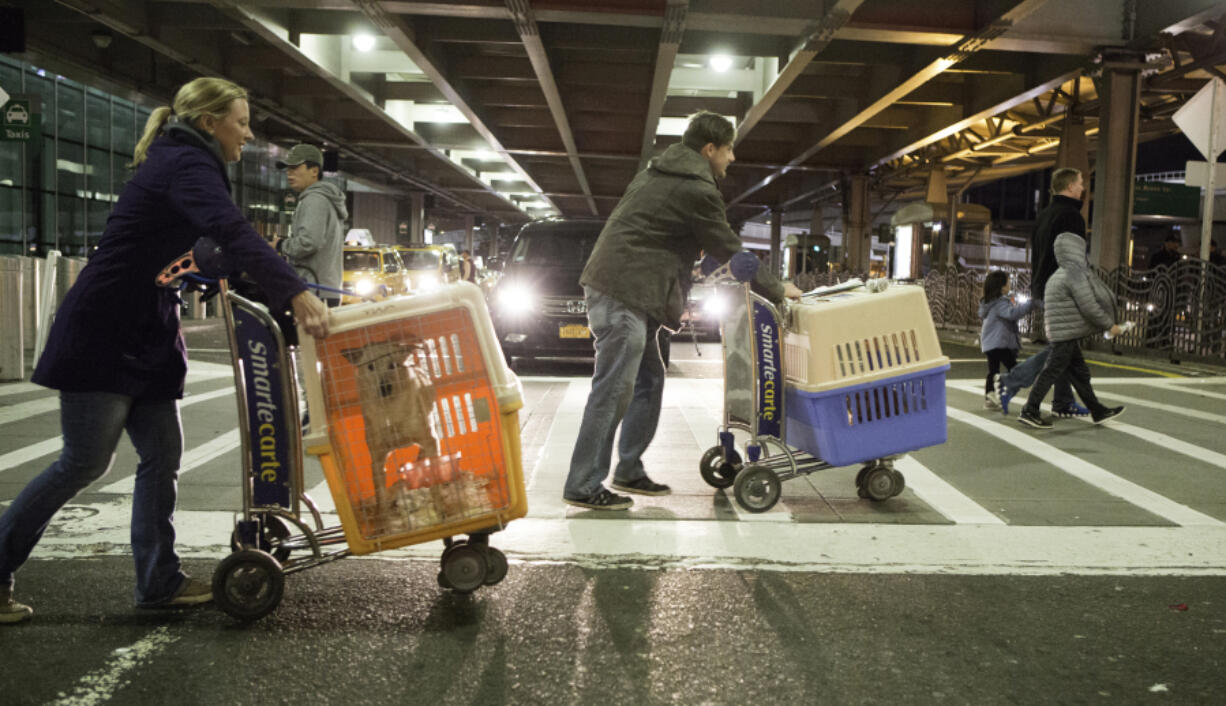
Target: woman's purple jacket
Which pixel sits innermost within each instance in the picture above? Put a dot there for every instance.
(117, 331)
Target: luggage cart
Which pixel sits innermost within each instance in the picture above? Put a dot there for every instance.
(460, 474)
(854, 378)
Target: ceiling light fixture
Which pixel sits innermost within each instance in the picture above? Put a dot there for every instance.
(721, 62)
(363, 42)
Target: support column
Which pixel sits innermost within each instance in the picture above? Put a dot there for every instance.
(417, 218)
(468, 232)
(1074, 152)
(856, 224)
(1115, 165)
(776, 259)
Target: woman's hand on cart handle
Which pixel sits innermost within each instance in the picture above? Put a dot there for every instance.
(310, 313)
(791, 291)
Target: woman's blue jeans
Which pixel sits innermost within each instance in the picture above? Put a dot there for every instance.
(91, 423)
(627, 389)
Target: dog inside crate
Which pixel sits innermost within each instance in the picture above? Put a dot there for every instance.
(418, 482)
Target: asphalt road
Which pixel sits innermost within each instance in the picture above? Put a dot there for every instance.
(1086, 565)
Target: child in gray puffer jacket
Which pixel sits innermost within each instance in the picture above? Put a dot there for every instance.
(998, 337)
(1077, 304)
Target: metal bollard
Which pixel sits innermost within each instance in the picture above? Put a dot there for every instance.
(12, 326)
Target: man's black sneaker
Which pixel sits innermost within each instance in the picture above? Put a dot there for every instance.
(1107, 413)
(1034, 419)
(601, 500)
(642, 486)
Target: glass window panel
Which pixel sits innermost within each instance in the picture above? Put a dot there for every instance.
(97, 121)
(10, 221)
(123, 126)
(45, 90)
(98, 213)
(45, 224)
(70, 170)
(71, 225)
(70, 111)
(11, 172)
(98, 173)
(10, 76)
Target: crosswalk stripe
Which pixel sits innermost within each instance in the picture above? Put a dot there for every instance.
(943, 497)
(18, 388)
(1087, 472)
(15, 458)
(1170, 408)
(25, 410)
(192, 459)
(1183, 389)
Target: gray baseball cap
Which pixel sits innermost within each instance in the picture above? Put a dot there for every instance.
(301, 153)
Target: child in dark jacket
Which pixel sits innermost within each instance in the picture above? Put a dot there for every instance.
(998, 338)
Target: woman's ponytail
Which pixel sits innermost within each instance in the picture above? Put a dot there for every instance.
(153, 126)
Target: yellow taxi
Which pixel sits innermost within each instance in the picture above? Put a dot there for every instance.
(372, 273)
(430, 266)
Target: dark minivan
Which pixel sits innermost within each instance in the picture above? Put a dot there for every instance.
(537, 305)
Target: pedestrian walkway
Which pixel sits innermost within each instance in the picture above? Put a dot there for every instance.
(1144, 494)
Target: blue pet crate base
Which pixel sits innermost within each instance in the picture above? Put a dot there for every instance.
(872, 420)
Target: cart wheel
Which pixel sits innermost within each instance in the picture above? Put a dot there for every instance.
(464, 568)
(860, 476)
(273, 531)
(495, 566)
(899, 482)
(451, 547)
(248, 584)
(717, 472)
(757, 488)
(879, 484)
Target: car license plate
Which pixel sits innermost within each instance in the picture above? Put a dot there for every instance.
(574, 331)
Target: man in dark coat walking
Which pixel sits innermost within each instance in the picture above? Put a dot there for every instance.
(636, 281)
(1062, 215)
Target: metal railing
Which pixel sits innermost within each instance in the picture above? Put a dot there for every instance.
(1179, 311)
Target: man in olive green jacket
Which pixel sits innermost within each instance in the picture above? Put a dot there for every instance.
(636, 281)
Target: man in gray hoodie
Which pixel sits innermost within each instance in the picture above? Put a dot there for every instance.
(1078, 304)
(636, 282)
(317, 234)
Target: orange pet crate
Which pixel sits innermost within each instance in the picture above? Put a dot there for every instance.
(434, 376)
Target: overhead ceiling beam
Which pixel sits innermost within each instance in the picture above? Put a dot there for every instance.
(290, 51)
(816, 38)
(965, 48)
(666, 58)
(403, 36)
(530, 35)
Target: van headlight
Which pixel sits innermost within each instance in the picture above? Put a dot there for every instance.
(427, 282)
(516, 299)
(364, 287)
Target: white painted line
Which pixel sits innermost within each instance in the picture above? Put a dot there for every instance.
(971, 549)
(1168, 443)
(25, 410)
(943, 497)
(1194, 392)
(1169, 408)
(191, 460)
(100, 685)
(1165, 441)
(1087, 472)
(18, 388)
(1218, 380)
(25, 454)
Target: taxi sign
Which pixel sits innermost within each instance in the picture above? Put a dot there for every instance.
(18, 123)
